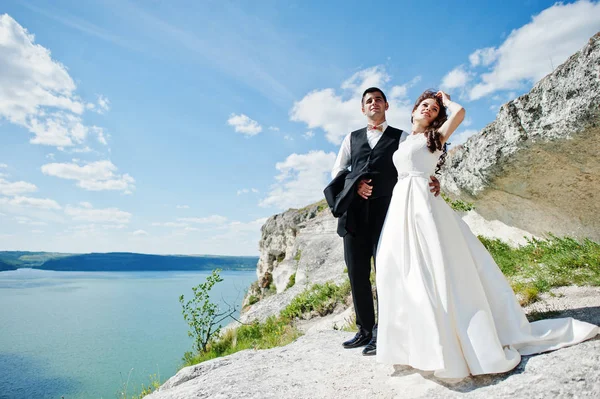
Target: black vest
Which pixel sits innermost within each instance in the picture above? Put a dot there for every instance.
(377, 162)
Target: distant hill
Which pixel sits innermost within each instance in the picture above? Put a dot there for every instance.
(20, 259)
(6, 266)
(122, 261)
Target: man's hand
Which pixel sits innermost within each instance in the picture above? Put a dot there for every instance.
(365, 191)
(435, 186)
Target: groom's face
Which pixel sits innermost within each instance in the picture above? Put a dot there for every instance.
(374, 106)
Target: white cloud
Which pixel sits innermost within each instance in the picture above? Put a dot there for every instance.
(274, 128)
(462, 136)
(37, 92)
(37, 231)
(244, 125)
(16, 188)
(27, 221)
(467, 122)
(483, 56)
(246, 191)
(288, 137)
(28, 202)
(339, 114)
(95, 176)
(183, 207)
(106, 215)
(213, 219)
(140, 233)
(170, 224)
(240, 232)
(3, 166)
(532, 51)
(308, 135)
(50, 156)
(103, 104)
(301, 180)
(456, 78)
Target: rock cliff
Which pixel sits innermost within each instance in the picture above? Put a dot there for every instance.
(536, 167)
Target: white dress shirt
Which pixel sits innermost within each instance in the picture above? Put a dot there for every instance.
(344, 160)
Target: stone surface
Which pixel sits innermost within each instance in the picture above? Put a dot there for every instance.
(316, 366)
(536, 167)
(311, 249)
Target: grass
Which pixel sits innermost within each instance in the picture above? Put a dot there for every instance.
(540, 265)
(458, 205)
(152, 386)
(275, 331)
(320, 299)
(291, 282)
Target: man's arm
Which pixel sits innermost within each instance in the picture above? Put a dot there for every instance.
(343, 160)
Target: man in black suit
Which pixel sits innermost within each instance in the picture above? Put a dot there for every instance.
(370, 182)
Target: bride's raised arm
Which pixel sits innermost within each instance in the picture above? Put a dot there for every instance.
(457, 115)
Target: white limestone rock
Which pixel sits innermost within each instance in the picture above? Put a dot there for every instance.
(536, 167)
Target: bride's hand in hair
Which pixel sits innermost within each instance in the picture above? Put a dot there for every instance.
(445, 97)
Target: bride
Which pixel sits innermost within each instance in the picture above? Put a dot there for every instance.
(444, 305)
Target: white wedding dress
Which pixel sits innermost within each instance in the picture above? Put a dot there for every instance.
(444, 305)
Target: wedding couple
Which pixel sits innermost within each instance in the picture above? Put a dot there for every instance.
(443, 303)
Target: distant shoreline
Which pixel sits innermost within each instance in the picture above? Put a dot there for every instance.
(122, 261)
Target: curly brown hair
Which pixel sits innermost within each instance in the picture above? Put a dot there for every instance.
(434, 142)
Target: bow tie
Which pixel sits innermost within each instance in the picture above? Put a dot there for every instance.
(373, 127)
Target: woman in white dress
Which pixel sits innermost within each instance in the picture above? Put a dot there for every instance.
(444, 305)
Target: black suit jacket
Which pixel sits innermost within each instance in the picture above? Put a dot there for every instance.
(341, 193)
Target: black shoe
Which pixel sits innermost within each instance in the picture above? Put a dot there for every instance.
(371, 348)
(360, 339)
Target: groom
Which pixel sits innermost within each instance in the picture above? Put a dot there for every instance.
(367, 191)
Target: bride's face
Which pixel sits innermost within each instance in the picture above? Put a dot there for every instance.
(427, 111)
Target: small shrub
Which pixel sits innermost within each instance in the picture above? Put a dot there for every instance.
(252, 299)
(203, 316)
(298, 255)
(291, 282)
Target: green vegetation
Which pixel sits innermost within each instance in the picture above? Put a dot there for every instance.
(532, 269)
(322, 205)
(203, 316)
(252, 299)
(291, 282)
(458, 205)
(320, 298)
(152, 386)
(544, 264)
(275, 331)
(298, 256)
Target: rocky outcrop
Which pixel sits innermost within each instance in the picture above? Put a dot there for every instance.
(536, 167)
(302, 243)
(316, 366)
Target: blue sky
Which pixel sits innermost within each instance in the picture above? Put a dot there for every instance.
(179, 127)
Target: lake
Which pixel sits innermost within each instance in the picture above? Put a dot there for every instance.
(90, 334)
